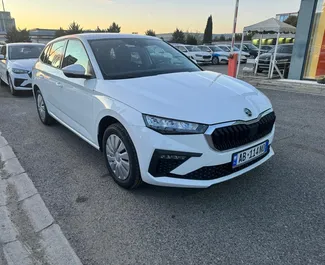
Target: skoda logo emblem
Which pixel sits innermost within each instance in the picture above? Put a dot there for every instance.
(248, 112)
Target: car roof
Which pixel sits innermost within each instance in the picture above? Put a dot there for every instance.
(25, 44)
(98, 36)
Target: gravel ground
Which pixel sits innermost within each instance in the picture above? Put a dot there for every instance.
(272, 215)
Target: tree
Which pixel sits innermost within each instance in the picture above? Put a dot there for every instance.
(222, 38)
(238, 36)
(74, 28)
(14, 35)
(151, 32)
(208, 31)
(191, 40)
(60, 32)
(98, 29)
(178, 36)
(114, 28)
(292, 20)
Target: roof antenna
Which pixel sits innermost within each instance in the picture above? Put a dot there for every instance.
(3, 6)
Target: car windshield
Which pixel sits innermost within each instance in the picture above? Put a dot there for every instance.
(215, 49)
(251, 46)
(18, 52)
(283, 49)
(204, 48)
(192, 48)
(224, 48)
(122, 58)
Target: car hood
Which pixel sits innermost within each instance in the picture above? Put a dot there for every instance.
(243, 53)
(201, 53)
(221, 54)
(204, 97)
(26, 64)
(268, 55)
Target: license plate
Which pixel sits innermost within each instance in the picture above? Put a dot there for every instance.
(250, 154)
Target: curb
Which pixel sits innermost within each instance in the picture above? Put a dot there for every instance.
(28, 232)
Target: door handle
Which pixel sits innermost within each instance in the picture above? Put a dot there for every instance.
(59, 84)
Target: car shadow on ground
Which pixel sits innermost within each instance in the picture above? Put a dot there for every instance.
(20, 94)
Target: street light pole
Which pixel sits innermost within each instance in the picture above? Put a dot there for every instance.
(3, 6)
(234, 28)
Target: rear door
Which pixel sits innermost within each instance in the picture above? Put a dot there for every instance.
(77, 93)
(49, 75)
(3, 63)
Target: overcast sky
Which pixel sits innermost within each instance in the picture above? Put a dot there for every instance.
(139, 15)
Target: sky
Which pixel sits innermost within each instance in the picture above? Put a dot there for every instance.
(139, 15)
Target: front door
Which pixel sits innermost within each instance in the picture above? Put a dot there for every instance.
(77, 93)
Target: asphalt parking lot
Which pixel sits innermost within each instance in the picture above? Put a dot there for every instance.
(272, 215)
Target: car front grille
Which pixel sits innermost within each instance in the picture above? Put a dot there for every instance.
(206, 57)
(234, 136)
(215, 172)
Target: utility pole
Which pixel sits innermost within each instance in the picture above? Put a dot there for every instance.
(234, 28)
(3, 6)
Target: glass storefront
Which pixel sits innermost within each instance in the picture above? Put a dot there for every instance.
(315, 63)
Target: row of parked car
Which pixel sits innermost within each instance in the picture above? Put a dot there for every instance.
(218, 53)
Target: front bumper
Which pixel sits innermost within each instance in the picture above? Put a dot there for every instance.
(202, 155)
(21, 81)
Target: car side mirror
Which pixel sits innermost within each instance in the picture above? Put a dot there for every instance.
(2, 57)
(75, 71)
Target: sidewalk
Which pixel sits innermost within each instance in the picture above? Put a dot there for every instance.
(298, 86)
(28, 232)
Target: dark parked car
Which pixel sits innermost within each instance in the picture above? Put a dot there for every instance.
(250, 48)
(267, 47)
(283, 59)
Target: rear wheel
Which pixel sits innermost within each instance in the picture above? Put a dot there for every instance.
(215, 60)
(121, 157)
(42, 110)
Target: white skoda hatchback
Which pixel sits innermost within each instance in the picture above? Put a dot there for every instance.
(156, 116)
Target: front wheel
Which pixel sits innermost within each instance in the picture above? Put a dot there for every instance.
(42, 110)
(215, 60)
(121, 157)
(13, 91)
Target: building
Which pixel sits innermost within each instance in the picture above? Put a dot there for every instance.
(282, 17)
(42, 35)
(308, 57)
(6, 21)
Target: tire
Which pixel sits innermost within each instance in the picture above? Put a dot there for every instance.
(42, 109)
(215, 60)
(121, 157)
(13, 91)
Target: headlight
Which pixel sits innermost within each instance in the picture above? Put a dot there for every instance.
(20, 71)
(198, 55)
(168, 126)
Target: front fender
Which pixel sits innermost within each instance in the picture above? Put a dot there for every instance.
(127, 116)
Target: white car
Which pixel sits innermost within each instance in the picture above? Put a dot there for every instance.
(163, 122)
(194, 53)
(218, 55)
(16, 62)
(227, 48)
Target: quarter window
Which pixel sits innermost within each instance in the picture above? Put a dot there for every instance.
(56, 53)
(44, 55)
(76, 54)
